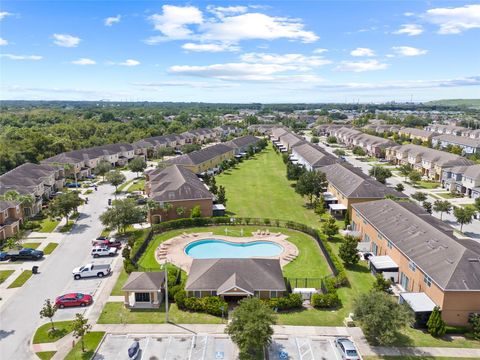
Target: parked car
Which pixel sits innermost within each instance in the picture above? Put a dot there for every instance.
(103, 251)
(73, 299)
(106, 241)
(73, 185)
(141, 201)
(3, 256)
(91, 270)
(25, 254)
(347, 349)
(134, 350)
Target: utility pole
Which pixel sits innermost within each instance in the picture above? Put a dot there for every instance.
(166, 292)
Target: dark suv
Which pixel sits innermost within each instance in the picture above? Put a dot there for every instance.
(25, 254)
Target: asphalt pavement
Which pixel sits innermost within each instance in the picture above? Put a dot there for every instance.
(19, 316)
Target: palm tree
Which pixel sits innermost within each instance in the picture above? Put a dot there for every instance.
(25, 200)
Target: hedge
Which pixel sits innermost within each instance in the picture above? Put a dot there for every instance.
(291, 301)
(209, 304)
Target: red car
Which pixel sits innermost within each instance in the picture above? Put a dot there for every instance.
(73, 299)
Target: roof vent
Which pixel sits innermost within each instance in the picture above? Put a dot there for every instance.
(477, 260)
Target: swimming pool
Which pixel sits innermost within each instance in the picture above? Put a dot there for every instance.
(214, 248)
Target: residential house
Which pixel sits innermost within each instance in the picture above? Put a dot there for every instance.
(348, 185)
(326, 129)
(445, 129)
(276, 132)
(264, 129)
(414, 133)
(233, 279)
(312, 157)
(240, 145)
(468, 145)
(205, 159)
(10, 218)
(180, 188)
(226, 130)
(463, 179)
(423, 255)
(288, 140)
(429, 162)
(144, 290)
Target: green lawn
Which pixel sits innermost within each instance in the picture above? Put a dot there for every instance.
(47, 225)
(427, 185)
(124, 185)
(67, 227)
(117, 289)
(49, 248)
(91, 340)
(45, 335)
(21, 279)
(45, 355)
(116, 313)
(414, 337)
(4, 274)
(139, 185)
(32, 245)
(105, 232)
(447, 195)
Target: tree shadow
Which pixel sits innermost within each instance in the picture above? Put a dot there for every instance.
(358, 268)
(230, 213)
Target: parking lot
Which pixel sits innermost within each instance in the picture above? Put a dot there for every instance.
(213, 347)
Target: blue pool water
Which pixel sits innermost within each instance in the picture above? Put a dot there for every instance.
(213, 248)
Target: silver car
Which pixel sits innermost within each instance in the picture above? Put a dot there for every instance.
(347, 349)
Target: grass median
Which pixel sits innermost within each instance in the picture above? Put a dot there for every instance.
(21, 279)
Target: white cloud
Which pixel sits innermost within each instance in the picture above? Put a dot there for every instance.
(361, 66)
(66, 40)
(227, 10)
(408, 14)
(362, 52)
(454, 20)
(188, 84)
(4, 14)
(129, 62)
(3, 42)
(109, 21)
(408, 51)
(320, 51)
(187, 23)
(22, 57)
(299, 61)
(410, 29)
(84, 61)
(211, 47)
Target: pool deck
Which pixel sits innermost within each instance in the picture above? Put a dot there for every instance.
(173, 250)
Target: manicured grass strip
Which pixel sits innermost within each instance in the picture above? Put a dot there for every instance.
(49, 248)
(91, 341)
(419, 338)
(139, 185)
(21, 279)
(66, 228)
(47, 225)
(124, 185)
(428, 184)
(4, 274)
(31, 245)
(117, 289)
(105, 232)
(116, 313)
(45, 355)
(45, 334)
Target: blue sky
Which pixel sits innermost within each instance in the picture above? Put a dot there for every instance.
(262, 51)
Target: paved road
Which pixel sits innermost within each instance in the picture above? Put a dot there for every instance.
(471, 230)
(19, 317)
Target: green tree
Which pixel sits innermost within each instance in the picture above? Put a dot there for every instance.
(221, 196)
(348, 250)
(162, 152)
(357, 150)
(380, 173)
(63, 204)
(427, 205)
(121, 214)
(476, 205)
(330, 227)
(399, 187)
(251, 327)
(381, 317)
(435, 324)
(311, 183)
(331, 140)
(320, 206)
(102, 168)
(213, 186)
(196, 212)
(382, 284)
(474, 321)
(315, 140)
(181, 211)
(80, 328)
(137, 165)
(48, 311)
(294, 171)
(464, 215)
(442, 206)
(26, 201)
(405, 170)
(414, 177)
(115, 178)
(419, 196)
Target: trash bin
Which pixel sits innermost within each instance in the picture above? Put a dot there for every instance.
(34, 269)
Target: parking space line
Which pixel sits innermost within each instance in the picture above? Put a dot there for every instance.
(146, 347)
(168, 347)
(192, 345)
(205, 347)
(334, 348)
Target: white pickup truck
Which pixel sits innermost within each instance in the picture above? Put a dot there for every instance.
(103, 251)
(91, 270)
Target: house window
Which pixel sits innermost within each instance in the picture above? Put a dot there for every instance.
(354, 226)
(389, 244)
(197, 294)
(273, 294)
(366, 238)
(427, 280)
(412, 265)
(142, 297)
(214, 293)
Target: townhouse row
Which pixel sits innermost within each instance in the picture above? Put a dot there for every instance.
(453, 130)
(373, 145)
(463, 179)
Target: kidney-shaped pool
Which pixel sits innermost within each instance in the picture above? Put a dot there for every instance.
(214, 248)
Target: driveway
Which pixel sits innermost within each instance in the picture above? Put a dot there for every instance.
(19, 316)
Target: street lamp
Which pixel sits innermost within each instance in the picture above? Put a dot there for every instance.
(166, 291)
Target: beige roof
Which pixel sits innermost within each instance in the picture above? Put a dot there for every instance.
(144, 281)
(440, 158)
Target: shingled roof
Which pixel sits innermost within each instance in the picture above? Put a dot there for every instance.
(176, 183)
(451, 263)
(353, 183)
(144, 281)
(224, 274)
(200, 156)
(440, 158)
(242, 141)
(314, 155)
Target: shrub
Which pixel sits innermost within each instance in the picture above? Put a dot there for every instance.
(474, 320)
(129, 266)
(357, 150)
(291, 301)
(331, 140)
(209, 304)
(179, 298)
(328, 300)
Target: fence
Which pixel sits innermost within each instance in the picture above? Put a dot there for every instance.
(316, 283)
